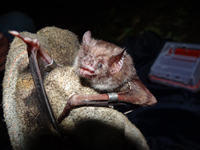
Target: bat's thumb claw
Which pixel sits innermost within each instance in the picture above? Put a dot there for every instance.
(13, 32)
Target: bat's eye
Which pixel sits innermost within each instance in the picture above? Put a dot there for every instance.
(100, 65)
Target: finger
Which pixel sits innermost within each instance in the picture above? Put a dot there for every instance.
(17, 34)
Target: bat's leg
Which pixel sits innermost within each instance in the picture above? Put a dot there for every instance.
(37, 53)
(137, 96)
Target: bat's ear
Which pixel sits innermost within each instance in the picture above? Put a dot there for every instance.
(87, 37)
(116, 62)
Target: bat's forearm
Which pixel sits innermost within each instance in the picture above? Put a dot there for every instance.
(93, 97)
(98, 100)
(81, 100)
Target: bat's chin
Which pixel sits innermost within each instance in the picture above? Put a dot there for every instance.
(86, 73)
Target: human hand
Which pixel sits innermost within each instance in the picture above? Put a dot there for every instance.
(4, 45)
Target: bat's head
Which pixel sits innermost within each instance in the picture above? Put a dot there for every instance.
(104, 65)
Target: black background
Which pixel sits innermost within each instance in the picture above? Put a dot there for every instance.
(143, 27)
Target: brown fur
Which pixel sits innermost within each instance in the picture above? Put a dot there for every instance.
(101, 51)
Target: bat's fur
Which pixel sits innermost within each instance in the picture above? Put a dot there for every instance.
(99, 51)
(28, 127)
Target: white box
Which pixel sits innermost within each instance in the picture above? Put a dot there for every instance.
(178, 64)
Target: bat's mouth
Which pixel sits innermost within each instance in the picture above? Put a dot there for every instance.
(87, 73)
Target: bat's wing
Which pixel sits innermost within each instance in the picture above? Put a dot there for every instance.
(37, 53)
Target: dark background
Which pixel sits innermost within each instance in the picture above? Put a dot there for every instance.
(142, 26)
(114, 20)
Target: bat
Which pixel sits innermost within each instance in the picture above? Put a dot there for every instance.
(105, 66)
